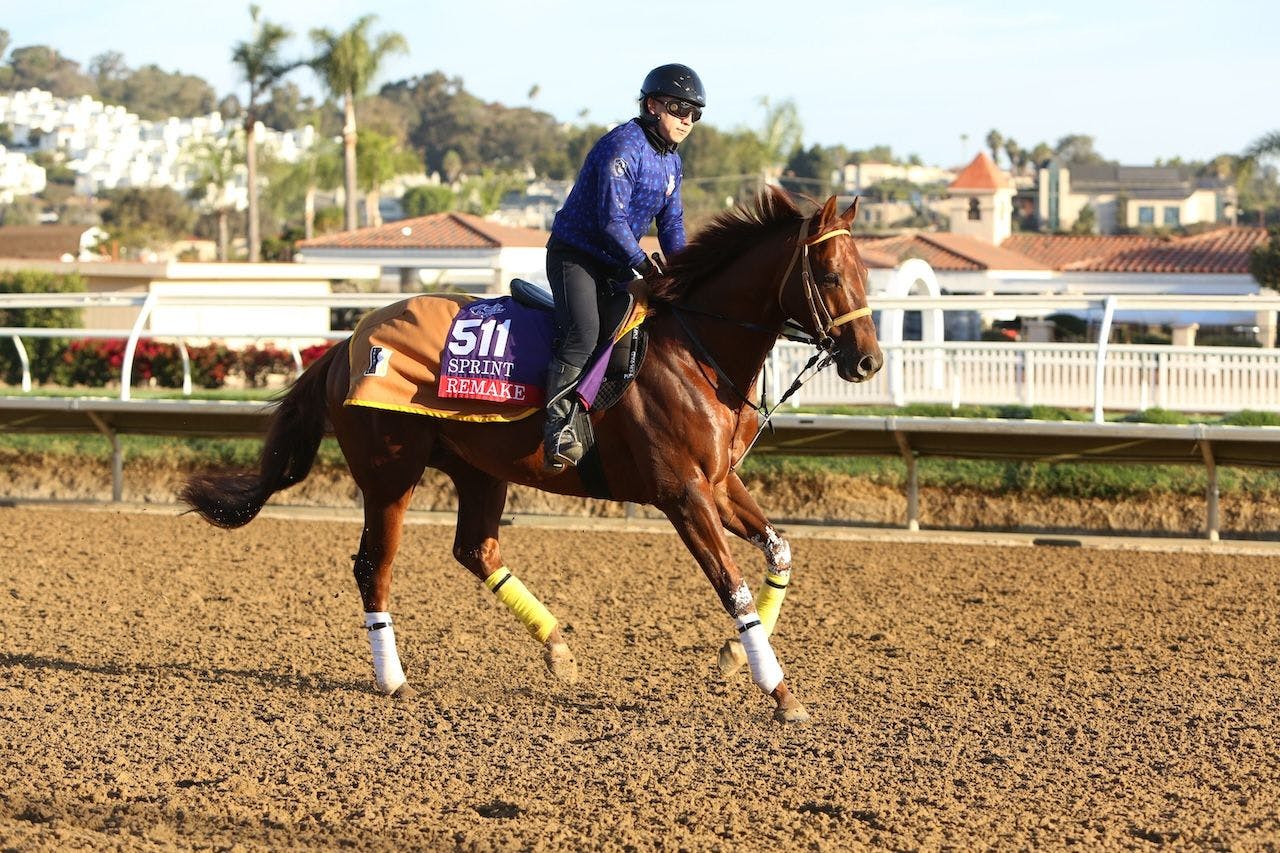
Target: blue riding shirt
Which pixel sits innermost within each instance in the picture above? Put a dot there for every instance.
(624, 185)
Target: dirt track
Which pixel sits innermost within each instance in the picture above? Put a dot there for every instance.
(164, 684)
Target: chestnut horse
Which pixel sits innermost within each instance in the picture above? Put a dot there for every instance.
(672, 440)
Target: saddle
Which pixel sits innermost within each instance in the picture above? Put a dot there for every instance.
(627, 354)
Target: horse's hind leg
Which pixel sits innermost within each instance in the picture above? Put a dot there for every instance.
(387, 454)
(481, 499)
(742, 516)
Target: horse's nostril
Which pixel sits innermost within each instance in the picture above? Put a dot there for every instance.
(868, 365)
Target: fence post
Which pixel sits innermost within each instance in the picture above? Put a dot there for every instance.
(186, 367)
(1211, 491)
(126, 368)
(26, 364)
(913, 479)
(117, 456)
(1104, 333)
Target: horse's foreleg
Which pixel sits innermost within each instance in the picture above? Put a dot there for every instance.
(481, 499)
(742, 516)
(697, 520)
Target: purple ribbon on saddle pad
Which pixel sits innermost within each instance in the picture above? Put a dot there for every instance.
(497, 350)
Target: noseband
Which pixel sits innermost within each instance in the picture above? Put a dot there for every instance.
(823, 322)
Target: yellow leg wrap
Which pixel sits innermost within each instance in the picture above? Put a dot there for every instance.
(769, 602)
(531, 612)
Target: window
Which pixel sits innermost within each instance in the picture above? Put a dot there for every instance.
(1146, 215)
(1172, 216)
(975, 212)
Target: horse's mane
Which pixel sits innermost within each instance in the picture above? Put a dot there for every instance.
(723, 239)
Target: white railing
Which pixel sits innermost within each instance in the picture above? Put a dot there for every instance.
(1097, 375)
(955, 373)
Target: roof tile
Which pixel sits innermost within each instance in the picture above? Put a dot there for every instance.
(436, 231)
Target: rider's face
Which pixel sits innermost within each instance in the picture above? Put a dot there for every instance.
(671, 128)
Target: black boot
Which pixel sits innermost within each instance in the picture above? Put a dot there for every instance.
(562, 446)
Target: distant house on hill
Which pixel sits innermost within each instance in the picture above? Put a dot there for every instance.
(51, 242)
(1131, 197)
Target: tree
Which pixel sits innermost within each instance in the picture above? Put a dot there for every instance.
(379, 158)
(347, 64)
(1257, 180)
(809, 171)
(1077, 150)
(452, 165)
(995, 141)
(1086, 221)
(41, 67)
(427, 199)
(260, 64)
(216, 165)
(319, 168)
(1017, 157)
(781, 131)
(143, 218)
(1041, 153)
(1264, 260)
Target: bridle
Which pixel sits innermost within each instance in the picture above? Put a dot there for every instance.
(823, 322)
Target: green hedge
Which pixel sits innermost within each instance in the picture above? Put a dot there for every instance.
(42, 352)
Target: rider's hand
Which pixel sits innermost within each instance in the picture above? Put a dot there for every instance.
(650, 275)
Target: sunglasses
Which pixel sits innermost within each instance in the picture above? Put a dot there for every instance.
(682, 109)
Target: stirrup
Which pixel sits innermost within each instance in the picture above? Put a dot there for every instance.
(562, 449)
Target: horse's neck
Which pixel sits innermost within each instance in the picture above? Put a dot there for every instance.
(746, 295)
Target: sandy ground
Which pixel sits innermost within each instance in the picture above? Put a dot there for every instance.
(167, 685)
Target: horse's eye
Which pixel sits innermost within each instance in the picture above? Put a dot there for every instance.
(830, 280)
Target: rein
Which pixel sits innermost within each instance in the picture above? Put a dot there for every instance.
(822, 320)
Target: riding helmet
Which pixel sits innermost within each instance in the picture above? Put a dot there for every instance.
(677, 81)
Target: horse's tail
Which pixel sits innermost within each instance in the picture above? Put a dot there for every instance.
(293, 437)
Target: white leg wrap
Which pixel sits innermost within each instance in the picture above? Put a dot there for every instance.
(386, 660)
(765, 670)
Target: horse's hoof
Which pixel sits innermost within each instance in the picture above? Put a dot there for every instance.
(733, 657)
(794, 713)
(561, 664)
(404, 692)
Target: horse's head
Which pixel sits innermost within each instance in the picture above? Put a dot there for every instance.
(825, 291)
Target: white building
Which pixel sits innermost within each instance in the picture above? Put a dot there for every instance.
(18, 176)
(108, 147)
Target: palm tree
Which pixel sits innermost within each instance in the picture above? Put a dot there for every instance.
(780, 135)
(1014, 152)
(216, 165)
(380, 158)
(1250, 165)
(348, 63)
(260, 63)
(995, 140)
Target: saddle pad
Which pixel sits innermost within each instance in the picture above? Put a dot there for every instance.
(395, 360)
(395, 363)
(497, 350)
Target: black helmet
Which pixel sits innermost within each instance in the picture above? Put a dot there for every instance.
(676, 80)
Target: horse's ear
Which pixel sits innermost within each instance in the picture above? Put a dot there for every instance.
(851, 214)
(828, 210)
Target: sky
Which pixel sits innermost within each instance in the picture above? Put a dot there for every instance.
(1146, 79)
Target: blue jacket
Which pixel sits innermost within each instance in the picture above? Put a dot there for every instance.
(623, 186)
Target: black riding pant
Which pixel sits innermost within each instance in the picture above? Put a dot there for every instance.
(579, 284)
